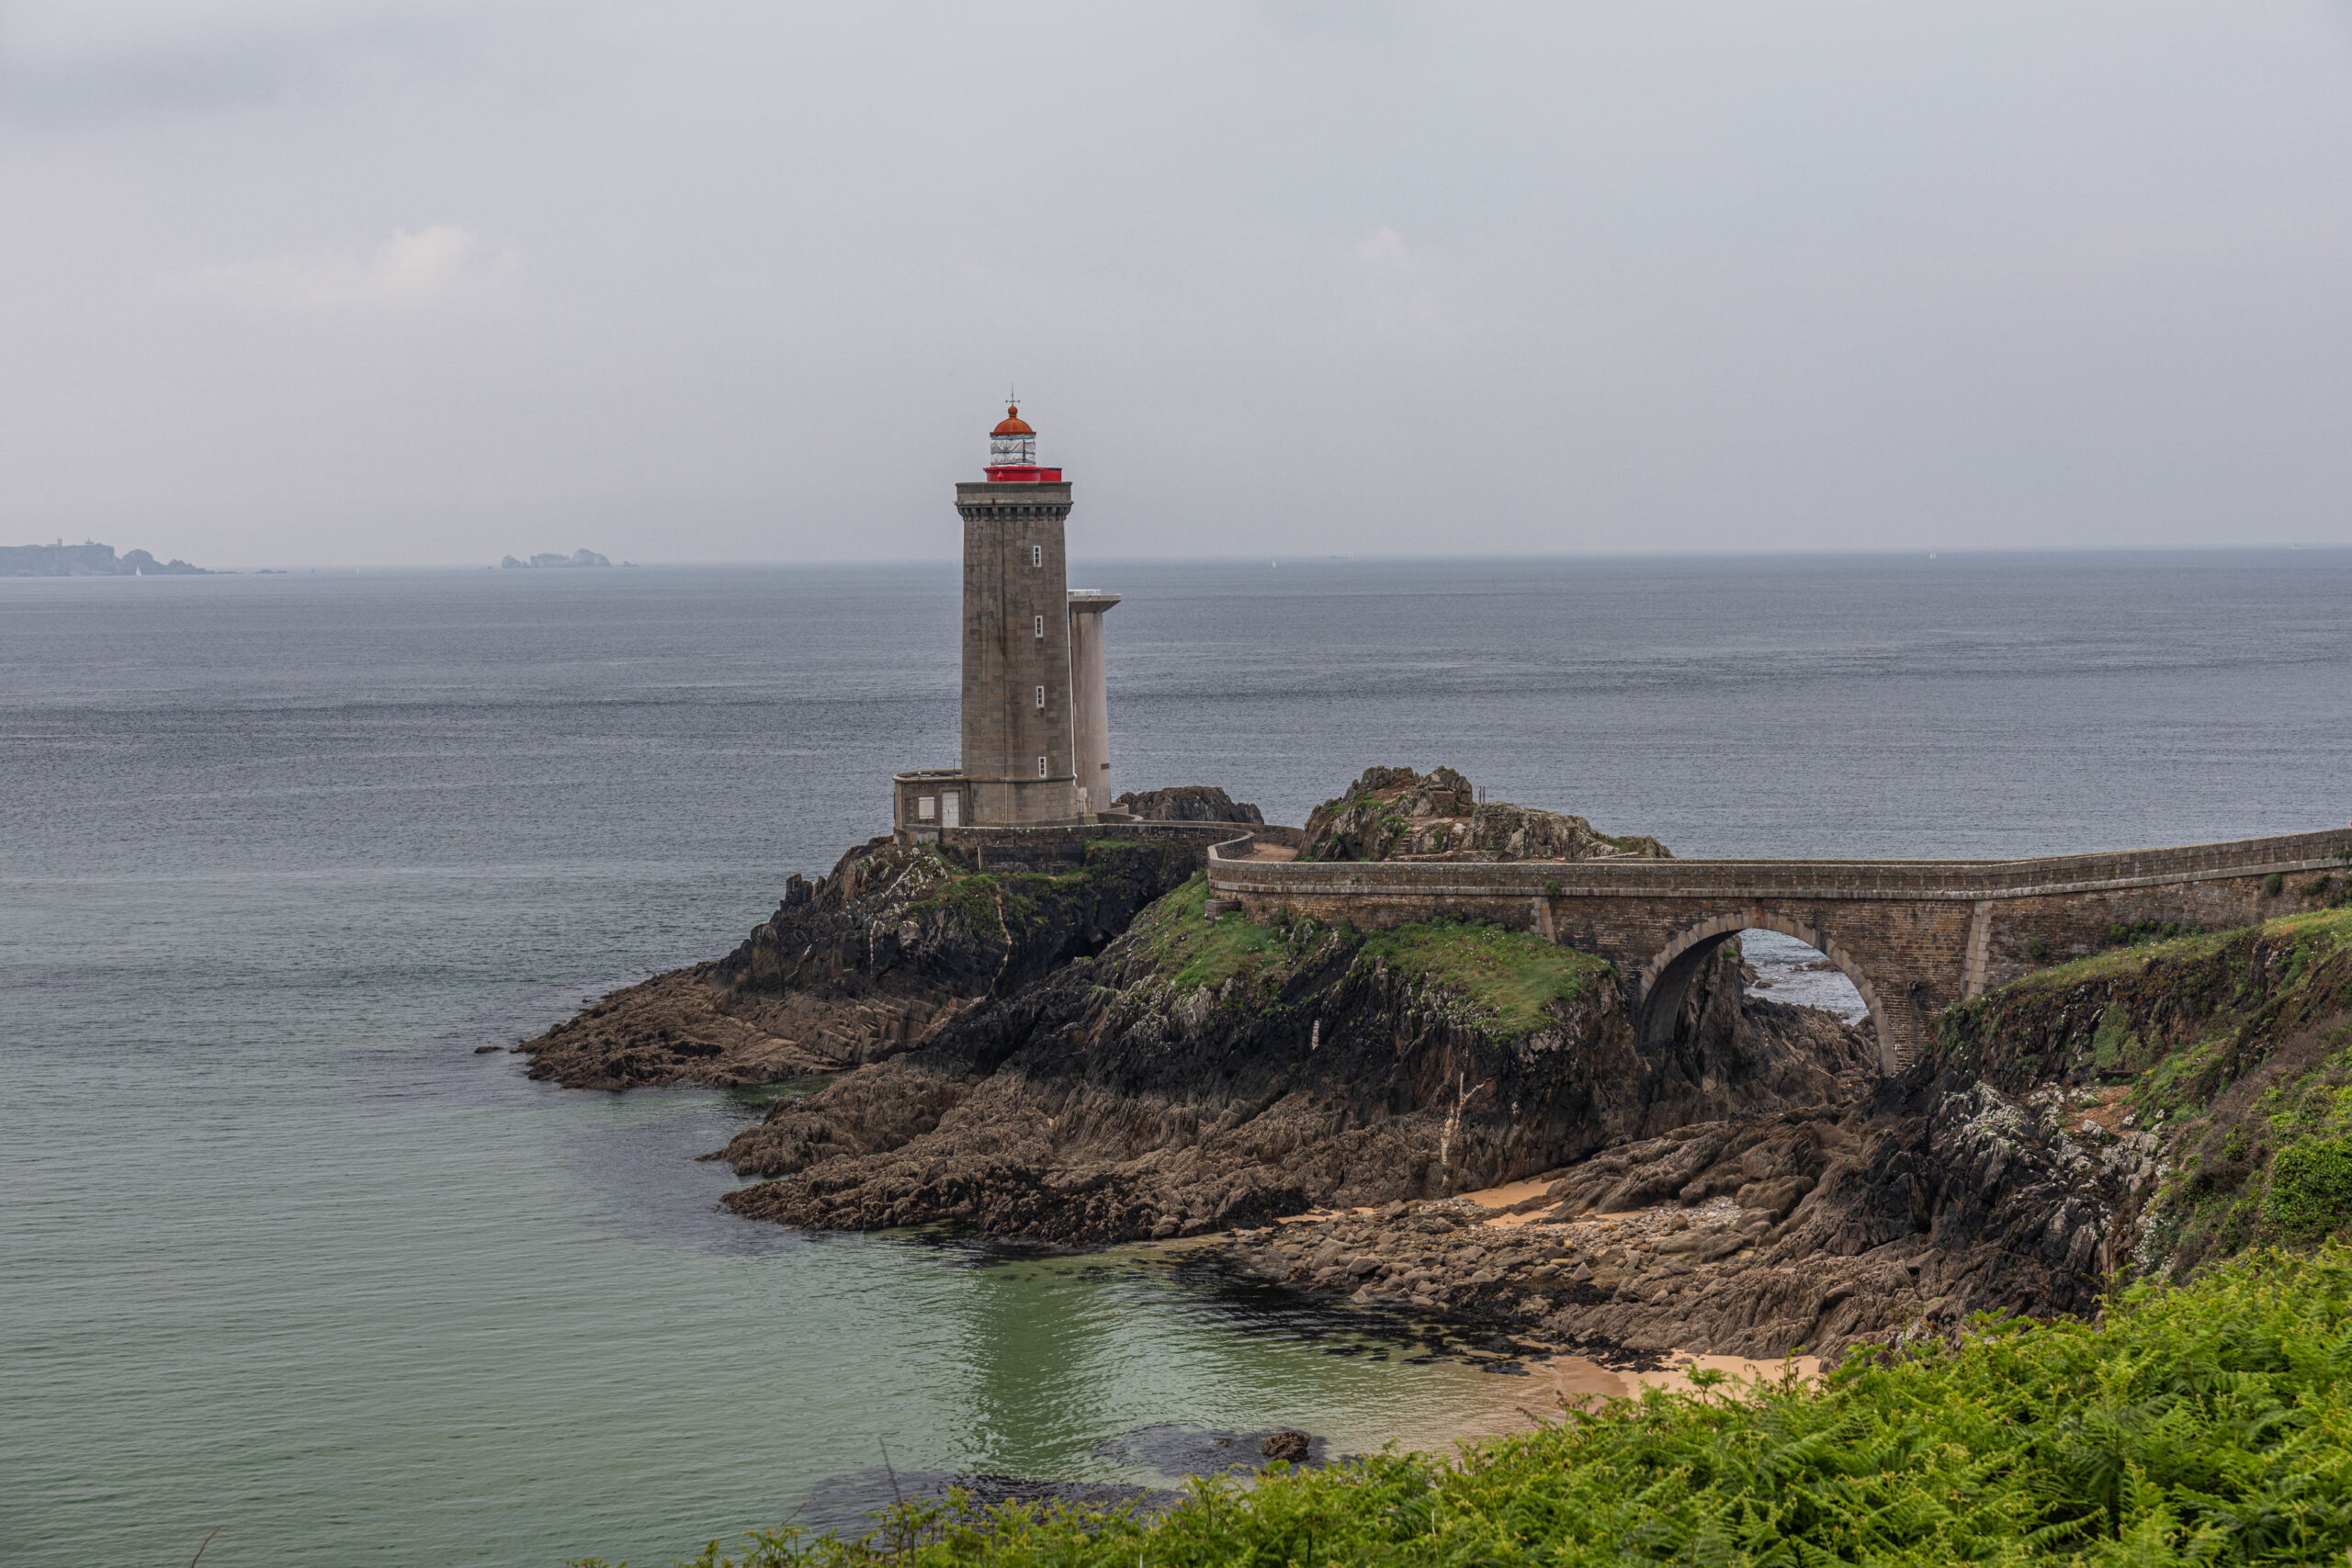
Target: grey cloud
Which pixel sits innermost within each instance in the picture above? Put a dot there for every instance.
(1284, 276)
(232, 59)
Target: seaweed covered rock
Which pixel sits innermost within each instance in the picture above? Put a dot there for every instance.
(859, 966)
(1199, 1075)
(1397, 814)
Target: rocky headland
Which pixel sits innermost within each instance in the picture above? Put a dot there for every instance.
(1077, 1053)
(86, 560)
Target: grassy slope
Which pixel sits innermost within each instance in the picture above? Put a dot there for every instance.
(1188, 952)
(2209, 1424)
(1508, 978)
(1513, 977)
(2236, 1046)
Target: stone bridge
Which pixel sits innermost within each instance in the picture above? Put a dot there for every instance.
(1914, 936)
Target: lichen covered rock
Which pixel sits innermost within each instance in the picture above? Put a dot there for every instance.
(1397, 814)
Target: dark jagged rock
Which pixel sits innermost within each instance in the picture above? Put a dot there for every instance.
(1288, 1446)
(1397, 814)
(1187, 803)
(1196, 1077)
(2005, 1173)
(860, 965)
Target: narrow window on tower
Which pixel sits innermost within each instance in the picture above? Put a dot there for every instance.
(1041, 626)
(1041, 767)
(1036, 555)
(1041, 699)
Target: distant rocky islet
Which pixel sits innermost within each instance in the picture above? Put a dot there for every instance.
(553, 559)
(88, 559)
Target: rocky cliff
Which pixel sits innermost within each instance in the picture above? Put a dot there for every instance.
(2144, 1111)
(863, 964)
(1198, 1074)
(1397, 814)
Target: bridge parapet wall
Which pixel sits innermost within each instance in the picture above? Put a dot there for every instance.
(1959, 880)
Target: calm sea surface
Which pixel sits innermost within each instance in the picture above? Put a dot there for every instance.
(279, 1253)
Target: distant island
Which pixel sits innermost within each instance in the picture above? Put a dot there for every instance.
(549, 557)
(86, 560)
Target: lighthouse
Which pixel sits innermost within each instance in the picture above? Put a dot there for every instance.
(1037, 745)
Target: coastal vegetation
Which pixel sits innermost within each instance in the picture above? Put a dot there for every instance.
(1191, 950)
(2229, 1052)
(2209, 1424)
(1512, 981)
(1516, 978)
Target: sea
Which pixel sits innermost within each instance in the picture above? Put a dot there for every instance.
(288, 1264)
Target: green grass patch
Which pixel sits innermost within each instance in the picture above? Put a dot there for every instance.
(2209, 1424)
(2115, 961)
(1191, 952)
(1514, 975)
(2318, 935)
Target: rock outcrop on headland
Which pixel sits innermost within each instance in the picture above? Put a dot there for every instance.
(859, 966)
(1815, 1228)
(1197, 1075)
(1397, 814)
(1188, 803)
(863, 962)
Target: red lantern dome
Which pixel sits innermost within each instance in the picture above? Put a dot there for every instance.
(1013, 452)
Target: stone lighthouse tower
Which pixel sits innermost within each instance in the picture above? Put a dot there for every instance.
(1035, 715)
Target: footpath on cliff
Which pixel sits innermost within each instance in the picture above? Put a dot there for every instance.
(1080, 1056)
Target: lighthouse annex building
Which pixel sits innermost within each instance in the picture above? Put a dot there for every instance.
(1037, 722)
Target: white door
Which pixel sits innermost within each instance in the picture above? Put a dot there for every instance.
(951, 809)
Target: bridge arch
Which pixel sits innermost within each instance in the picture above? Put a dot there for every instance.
(1665, 980)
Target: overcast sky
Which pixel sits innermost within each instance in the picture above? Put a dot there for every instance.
(342, 281)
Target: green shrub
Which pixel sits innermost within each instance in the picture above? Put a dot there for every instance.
(2037, 949)
(2310, 1187)
(2316, 888)
(2272, 884)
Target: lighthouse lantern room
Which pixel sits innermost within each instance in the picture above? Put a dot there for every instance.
(1013, 452)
